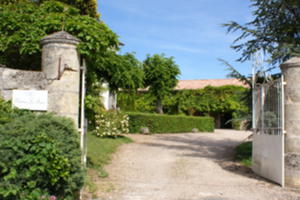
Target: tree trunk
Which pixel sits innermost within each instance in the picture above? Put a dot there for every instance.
(159, 106)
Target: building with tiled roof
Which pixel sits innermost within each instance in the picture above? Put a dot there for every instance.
(198, 84)
(202, 83)
(221, 119)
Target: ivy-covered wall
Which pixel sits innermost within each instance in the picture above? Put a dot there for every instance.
(223, 103)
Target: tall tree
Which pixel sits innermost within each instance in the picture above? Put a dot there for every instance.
(125, 71)
(161, 76)
(86, 7)
(23, 24)
(275, 29)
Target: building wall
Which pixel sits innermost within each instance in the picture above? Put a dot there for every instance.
(109, 98)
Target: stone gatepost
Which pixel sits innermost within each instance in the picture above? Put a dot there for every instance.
(61, 66)
(291, 72)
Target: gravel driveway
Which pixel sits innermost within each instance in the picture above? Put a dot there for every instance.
(186, 167)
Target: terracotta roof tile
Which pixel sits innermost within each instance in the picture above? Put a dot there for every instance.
(198, 84)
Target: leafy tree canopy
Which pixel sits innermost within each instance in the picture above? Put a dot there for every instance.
(275, 29)
(125, 71)
(161, 76)
(86, 7)
(23, 24)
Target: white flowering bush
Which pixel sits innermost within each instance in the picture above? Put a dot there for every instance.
(111, 124)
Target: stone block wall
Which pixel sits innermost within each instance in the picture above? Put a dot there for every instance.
(11, 79)
(291, 72)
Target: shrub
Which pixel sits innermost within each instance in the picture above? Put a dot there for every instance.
(111, 123)
(241, 121)
(94, 103)
(39, 156)
(168, 123)
(7, 113)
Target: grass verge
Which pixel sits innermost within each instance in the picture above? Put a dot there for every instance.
(243, 153)
(99, 154)
(100, 150)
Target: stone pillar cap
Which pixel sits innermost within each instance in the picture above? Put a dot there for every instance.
(293, 62)
(60, 37)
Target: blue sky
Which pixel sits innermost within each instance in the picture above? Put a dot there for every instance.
(188, 30)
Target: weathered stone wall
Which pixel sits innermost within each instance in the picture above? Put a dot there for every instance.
(11, 79)
(291, 72)
(60, 75)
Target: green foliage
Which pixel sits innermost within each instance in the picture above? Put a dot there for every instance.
(39, 155)
(206, 101)
(243, 153)
(93, 102)
(133, 73)
(7, 113)
(140, 102)
(5, 2)
(111, 124)
(274, 29)
(220, 99)
(161, 76)
(42, 160)
(168, 123)
(22, 25)
(86, 7)
(241, 120)
(125, 71)
(215, 101)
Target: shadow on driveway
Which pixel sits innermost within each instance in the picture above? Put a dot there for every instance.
(214, 147)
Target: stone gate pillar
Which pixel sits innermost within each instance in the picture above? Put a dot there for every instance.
(291, 72)
(61, 66)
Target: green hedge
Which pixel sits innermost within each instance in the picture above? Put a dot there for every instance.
(169, 123)
(8, 114)
(39, 156)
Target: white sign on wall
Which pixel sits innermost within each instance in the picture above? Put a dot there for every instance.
(30, 99)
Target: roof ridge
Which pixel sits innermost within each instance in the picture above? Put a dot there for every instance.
(210, 79)
(201, 83)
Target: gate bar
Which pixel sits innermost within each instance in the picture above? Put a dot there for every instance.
(283, 129)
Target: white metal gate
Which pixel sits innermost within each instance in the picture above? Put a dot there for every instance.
(268, 128)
